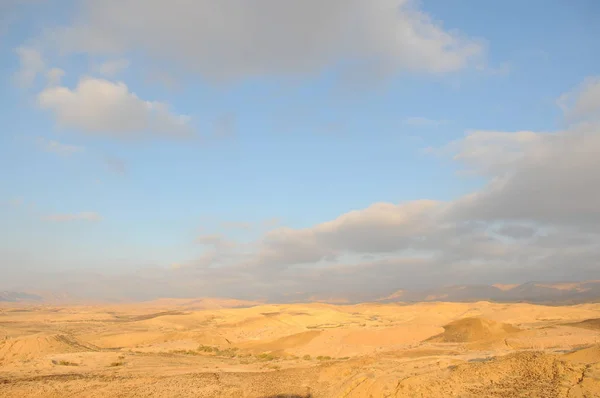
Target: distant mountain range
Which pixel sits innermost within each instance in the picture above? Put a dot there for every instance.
(19, 296)
(532, 292)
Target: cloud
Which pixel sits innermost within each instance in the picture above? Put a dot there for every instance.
(541, 177)
(57, 147)
(15, 202)
(225, 126)
(229, 39)
(163, 78)
(83, 216)
(517, 231)
(502, 70)
(112, 67)
(382, 227)
(582, 103)
(491, 152)
(236, 225)
(424, 122)
(116, 165)
(537, 217)
(214, 240)
(539, 211)
(31, 65)
(101, 107)
(54, 76)
(271, 222)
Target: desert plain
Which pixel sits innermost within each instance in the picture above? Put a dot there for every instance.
(229, 348)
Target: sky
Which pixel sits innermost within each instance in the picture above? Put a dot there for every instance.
(260, 149)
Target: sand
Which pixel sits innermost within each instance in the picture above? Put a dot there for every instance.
(208, 348)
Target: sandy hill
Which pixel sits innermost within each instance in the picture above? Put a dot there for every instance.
(37, 345)
(430, 349)
(473, 329)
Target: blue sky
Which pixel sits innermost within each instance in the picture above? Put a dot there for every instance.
(273, 121)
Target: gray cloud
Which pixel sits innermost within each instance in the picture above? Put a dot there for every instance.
(517, 231)
(551, 180)
(112, 67)
(231, 39)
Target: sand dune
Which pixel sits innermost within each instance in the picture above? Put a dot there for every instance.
(168, 348)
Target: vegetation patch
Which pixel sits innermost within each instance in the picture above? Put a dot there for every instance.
(265, 357)
(64, 363)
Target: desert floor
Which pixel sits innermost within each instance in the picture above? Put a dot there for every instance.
(191, 348)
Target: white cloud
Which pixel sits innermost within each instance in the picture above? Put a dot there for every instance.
(229, 39)
(112, 67)
(57, 147)
(31, 65)
(83, 216)
(101, 107)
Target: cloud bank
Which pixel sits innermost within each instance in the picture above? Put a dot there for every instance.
(536, 218)
(229, 39)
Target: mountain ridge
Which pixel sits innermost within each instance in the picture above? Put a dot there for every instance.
(534, 292)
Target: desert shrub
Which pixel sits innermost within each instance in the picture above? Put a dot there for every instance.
(205, 348)
(184, 352)
(115, 364)
(229, 352)
(323, 358)
(307, 357)
(265, 357)
(64, 363)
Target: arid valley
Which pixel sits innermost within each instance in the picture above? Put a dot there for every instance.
(228, 348)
